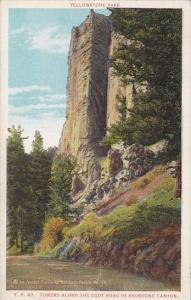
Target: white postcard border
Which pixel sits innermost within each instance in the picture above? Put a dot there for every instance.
(186, 148)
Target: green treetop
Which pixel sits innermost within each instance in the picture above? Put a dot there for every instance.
(37, 144)
(150, 56)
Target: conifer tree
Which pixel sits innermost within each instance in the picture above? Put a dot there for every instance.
(40, 170)
(152, 56)
(60, 190)
(18, 189)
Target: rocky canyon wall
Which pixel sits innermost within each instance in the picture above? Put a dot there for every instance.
(93, 91)
(116, 89)
(87, 87)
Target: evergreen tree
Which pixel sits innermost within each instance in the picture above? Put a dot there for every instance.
(18, 189)
(120, 131)
(152, 56)
(60, 191)
(52, 152)
(37, 144)
(40, 170)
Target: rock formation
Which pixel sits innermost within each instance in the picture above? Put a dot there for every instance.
(93, 91)
(87, 87)
(123, 176)
(116, 88)
(93, 96)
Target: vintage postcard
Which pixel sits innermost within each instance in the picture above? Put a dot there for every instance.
(95, 149)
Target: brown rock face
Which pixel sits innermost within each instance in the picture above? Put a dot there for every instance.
(93, 92)
(87, 87)
(116, 88)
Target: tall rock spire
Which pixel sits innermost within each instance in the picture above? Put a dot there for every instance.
(87, 87)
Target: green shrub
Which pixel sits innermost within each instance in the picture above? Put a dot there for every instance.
(89, 229)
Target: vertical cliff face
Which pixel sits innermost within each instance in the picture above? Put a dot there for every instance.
(116, 88)
(93, 94)
(87, 87)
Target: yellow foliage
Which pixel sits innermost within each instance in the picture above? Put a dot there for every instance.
(52, 233)
(87, 248)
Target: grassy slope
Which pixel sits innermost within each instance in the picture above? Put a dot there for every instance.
(137, 191)
(152, 212)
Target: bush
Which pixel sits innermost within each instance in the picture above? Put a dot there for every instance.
(52, 233)
(89, 229)
(87, 248)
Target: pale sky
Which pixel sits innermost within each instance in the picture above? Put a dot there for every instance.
(38, 52)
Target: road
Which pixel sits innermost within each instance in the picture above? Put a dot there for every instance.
(34, 273)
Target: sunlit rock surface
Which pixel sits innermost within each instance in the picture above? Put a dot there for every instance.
(87, 88)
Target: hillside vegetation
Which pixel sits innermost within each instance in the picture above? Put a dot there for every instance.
(143, 237)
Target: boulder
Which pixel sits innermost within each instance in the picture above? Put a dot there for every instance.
(115, 161)
(77, 185)
(138, 160)
(118, 169)
(160, 148)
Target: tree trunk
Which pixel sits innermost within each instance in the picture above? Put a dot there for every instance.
(16, 239)
(22, 246)
(179, 179)
(21, 231)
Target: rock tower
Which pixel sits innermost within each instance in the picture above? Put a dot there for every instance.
(87, 86)
(93, 91)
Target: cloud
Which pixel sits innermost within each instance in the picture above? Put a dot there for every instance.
(49, 39)
(38, 107)
(52, 98)
(49, 114)
(19, 30)
(52, 39)
(28, 89)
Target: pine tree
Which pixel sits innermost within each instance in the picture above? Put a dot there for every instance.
(61, 182)
(152, 56)
(120, 131)
(37, 144)
(18, 188)
(40, 170)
